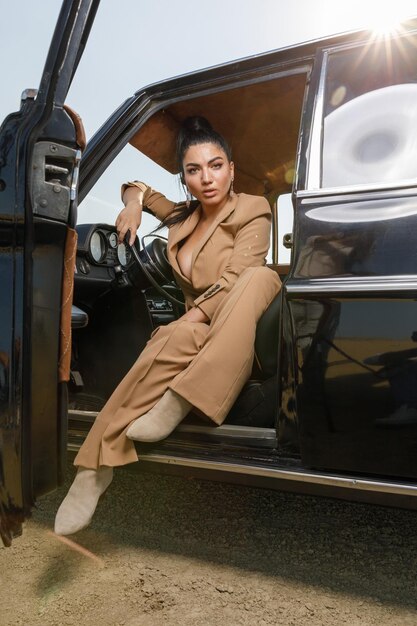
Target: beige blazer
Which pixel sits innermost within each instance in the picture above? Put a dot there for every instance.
(238, 238)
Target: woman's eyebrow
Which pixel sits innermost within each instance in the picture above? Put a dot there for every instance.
(198, 164)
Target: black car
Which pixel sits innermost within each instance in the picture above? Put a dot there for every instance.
(327, 128)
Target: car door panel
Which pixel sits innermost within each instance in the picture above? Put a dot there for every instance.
(39, 159)
(350, 294)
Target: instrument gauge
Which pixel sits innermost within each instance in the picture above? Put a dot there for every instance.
(113, 240)
(97, 247)
(123, 254)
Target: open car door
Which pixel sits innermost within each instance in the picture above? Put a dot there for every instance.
(40, 150)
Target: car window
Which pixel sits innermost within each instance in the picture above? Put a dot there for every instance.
(369, 114)
(103, 203)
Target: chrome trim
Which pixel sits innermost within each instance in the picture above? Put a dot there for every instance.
(230, 431)
(352, 285)
(82, 415)
(358, 484)
(315, 478)
(314, 149)
(360, 192)
(275, 232)
(75, 176)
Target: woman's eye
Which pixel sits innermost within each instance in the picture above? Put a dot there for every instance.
(217, 166)
(192, 170)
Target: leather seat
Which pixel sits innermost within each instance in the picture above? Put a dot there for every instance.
(256, 405)
(266, 340)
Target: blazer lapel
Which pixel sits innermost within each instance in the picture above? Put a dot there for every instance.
(177, 234)
(228, 208)
(180, 232)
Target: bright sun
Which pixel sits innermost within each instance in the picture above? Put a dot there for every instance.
(384, 20)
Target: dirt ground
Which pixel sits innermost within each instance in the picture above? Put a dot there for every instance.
(165, 550)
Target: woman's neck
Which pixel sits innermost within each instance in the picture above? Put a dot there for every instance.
(210, 212)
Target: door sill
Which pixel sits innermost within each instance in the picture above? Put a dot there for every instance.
(247, 435)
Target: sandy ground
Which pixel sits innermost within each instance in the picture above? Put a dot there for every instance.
(164, 550)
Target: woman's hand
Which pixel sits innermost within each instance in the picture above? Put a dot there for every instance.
(195, 315)
(130, 217)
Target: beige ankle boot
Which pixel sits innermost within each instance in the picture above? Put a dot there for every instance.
(77, 509)
(161, 420)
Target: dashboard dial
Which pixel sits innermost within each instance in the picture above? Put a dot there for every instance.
(123, 254)
(113, 240)
(97, 247)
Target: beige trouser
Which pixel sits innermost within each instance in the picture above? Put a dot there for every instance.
(205, 364)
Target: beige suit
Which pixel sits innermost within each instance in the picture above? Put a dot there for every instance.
(207, 364)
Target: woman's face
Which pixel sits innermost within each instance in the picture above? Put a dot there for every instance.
(208, 174)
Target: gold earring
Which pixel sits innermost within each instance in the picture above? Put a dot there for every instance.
(188, 198)
(231, 191)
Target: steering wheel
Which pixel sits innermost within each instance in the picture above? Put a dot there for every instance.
(153, 261)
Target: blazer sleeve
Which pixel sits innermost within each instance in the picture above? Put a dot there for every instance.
(154, 201)
(251, 246)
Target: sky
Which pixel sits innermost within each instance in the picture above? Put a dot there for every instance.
(134, 43)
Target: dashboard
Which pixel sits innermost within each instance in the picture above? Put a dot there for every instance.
(104, 247)
(98, 247)
(103, 266)
(102, 263)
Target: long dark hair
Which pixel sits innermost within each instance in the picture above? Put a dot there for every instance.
(194, 131)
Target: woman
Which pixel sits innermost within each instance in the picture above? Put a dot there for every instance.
(217, 247)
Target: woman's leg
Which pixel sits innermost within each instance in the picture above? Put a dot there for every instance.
(170, 350)
(161, 419)
(206, 366)
(217, 373)
(215, 377)
(78, 507)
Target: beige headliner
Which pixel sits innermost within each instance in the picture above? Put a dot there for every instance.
(260, 122)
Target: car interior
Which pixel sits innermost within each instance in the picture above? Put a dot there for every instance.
(121, 294)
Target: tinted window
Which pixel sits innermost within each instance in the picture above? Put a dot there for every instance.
(370, 114)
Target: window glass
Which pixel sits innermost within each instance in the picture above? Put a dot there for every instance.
(103, 203)
(370, 114)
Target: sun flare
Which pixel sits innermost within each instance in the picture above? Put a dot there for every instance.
(385, 21)
(385, 26)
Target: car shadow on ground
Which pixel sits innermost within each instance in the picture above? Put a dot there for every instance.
(366, 550)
